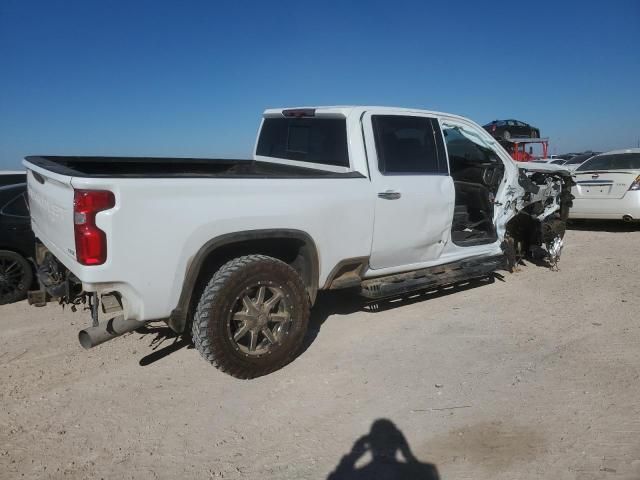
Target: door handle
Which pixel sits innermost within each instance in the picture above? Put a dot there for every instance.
(389, 195)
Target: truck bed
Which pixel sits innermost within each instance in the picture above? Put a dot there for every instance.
(168, 167)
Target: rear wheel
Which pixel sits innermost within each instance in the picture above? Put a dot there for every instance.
(252, 316)
(15, 277)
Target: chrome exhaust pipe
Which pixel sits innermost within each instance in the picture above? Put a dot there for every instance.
(627, 218)
(105, 331)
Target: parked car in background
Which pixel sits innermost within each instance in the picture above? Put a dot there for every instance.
(577, 160)
(608, 186)
(553, 161)
(16, 239)
(508, 129)
(11, 178)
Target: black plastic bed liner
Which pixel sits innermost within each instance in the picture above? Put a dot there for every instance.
(166, 167)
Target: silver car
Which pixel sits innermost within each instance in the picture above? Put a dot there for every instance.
(608, 186)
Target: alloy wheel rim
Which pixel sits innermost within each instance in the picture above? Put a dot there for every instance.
(259, 319)
(11, 277)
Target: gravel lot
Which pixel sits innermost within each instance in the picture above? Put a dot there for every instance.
(533, 375)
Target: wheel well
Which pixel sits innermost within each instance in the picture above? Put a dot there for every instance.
(294, 248)
(16, 250)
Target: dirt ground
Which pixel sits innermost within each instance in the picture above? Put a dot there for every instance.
(533, 375)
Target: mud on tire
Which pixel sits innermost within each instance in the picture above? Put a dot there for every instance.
(252, 316)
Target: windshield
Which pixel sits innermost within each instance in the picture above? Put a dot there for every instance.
(617, 161)
(579, 159)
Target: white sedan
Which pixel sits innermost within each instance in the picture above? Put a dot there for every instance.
(608, 187)
(551, 160)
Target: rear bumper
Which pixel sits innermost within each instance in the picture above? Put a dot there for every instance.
(61, 283)
(608, 209)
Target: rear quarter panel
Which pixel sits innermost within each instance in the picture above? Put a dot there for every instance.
(158, 226)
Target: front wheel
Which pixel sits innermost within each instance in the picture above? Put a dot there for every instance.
(16, 276)
(252, 316)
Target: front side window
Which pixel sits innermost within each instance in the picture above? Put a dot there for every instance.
(619, 161)
(466, 149)
(315, 140)
(408, 145)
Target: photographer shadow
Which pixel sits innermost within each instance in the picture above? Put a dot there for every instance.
(384, 442)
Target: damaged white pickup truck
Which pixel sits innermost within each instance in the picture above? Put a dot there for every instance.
(381, 200)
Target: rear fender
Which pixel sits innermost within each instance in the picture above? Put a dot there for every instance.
(223, 248)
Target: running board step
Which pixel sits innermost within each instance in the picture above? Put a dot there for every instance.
(393, 285)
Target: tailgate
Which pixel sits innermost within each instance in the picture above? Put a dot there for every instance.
(605, 185)
(51, 205)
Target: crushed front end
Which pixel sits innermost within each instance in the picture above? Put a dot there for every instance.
(541, 209)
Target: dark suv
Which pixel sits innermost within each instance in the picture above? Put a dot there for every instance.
(508, 129)
(16, 239)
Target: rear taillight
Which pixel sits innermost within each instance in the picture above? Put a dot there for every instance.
(636, 184)
(91, 242)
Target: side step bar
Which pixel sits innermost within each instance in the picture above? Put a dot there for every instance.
(393, 285)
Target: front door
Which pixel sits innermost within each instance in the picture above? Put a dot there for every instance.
(415, 194)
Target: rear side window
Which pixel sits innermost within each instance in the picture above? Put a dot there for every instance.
(408, 145)
(17, 207)
(315, 140)
(620, 161)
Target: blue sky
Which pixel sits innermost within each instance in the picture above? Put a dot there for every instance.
(191, 78)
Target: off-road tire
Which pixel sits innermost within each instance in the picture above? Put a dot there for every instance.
(210, 332)
(21, 272)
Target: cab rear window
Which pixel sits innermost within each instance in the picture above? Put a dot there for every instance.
(315, 140)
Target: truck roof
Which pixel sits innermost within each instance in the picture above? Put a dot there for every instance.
(617, 152)
(346, 110)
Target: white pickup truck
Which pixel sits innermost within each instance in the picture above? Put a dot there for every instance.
(382, 200)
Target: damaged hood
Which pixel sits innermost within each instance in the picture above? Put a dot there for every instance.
(544, 167)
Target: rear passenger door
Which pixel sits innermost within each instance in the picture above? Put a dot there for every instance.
(415, 194)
